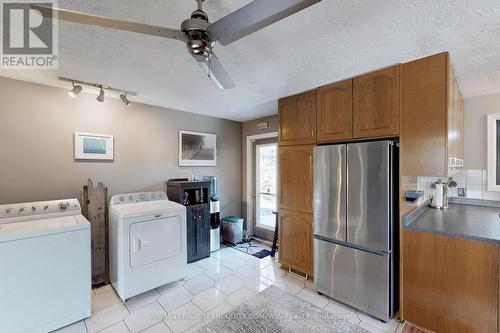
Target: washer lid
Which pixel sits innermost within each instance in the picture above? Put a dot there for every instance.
(42, 227)
(136, 209)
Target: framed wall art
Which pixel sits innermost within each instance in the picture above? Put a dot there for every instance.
(94, 146)
(197, 149)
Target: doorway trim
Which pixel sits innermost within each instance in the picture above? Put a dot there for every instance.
(249, 176)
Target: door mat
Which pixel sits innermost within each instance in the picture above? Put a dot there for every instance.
(262, 254)
(249, 247)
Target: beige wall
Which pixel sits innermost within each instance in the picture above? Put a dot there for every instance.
(475, 111)
(249, 128)
(36, 146)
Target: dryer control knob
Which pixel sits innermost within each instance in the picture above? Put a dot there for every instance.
(122, 198)
(63, 205)
(142, 196)
(8, 210)
(21, 209)
(33, 208)
(130, 198)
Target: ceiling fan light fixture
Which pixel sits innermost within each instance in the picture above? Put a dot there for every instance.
(100, 97)
(124, 99)
(75, 91)
(197, 32)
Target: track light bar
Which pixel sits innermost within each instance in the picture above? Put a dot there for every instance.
(77, 88)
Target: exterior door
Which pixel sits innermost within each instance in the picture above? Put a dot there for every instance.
(265, 187)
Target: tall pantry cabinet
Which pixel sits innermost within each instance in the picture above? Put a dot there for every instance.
(297, 135)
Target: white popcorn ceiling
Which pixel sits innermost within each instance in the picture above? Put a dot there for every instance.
(330, 41)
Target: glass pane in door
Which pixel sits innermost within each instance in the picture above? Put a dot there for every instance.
(265, 185)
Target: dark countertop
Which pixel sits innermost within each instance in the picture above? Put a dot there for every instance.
(465, 218)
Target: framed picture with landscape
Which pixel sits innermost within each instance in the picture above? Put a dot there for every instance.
(94, 146)
(197, 149)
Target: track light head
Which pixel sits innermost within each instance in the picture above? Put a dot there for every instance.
(124, 99)
(75, 91)
(100, 97)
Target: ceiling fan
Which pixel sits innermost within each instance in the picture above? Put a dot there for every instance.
(197, 32)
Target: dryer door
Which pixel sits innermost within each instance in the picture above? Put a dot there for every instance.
(155, 240)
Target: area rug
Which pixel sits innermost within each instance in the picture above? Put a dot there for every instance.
(274, 310)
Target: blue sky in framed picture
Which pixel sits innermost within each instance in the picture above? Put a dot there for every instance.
(94, 146)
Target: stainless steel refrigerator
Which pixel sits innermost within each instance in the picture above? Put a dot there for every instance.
(355, 234)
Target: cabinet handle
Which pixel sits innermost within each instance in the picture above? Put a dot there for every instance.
(312, 133)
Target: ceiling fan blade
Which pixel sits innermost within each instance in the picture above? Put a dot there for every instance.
(215, 71)
(254, 16)
(101, 21)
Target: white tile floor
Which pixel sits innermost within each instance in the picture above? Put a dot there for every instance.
(213, 286)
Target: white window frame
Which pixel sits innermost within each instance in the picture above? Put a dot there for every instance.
(492, 152)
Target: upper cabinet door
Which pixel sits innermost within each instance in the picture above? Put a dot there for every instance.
(296, 178)
(334, 117)
(376, 104)
(297, 119)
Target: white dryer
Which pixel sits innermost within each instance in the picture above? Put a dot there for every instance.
(45, 271)
(147, 238)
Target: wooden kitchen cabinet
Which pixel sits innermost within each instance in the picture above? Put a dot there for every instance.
(295, 240)
(296, 178)
(431, 117)
(376, 104)
(297, 119)
(450, 284)
(334, 112)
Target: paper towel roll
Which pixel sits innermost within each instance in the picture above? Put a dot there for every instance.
(439, 195)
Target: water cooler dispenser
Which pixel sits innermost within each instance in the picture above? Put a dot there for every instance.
(214, 213)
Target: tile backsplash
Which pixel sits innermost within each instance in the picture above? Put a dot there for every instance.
(474, 183)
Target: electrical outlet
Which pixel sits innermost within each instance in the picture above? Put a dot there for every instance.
(462, 192)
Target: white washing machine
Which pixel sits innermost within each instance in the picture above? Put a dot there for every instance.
(147, 236)
(45, 270)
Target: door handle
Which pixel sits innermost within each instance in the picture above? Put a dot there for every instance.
(139, 244)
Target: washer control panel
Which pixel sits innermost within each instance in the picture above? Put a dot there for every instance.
(39, 208)
(119, 199)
